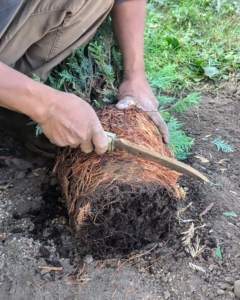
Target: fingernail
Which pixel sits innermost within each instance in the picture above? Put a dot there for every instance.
(120, 105)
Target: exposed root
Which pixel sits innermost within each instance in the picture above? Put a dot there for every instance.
(118, 199)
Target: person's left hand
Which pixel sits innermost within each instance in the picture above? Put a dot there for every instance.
(136, 91)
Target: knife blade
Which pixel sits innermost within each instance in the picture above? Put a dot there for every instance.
(148, 154)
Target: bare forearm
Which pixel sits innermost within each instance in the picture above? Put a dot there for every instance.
(22, 94)
(128, 20)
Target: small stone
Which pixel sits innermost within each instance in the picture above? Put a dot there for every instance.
(238, 224)
(44, 272)
(208, 225)
(47, 276)
(211, 267)
(20, 175)
(231, 295)
(30, 176)
(180, 255)
(36, 174)
(28, 283)
(166, 295)
(47, 232)
(88, 259)
(149, 246)
(45, 252)
(225, 285)
(53, 181)
(229, 280)
(12, 291)
(220, 292)
(237, 288)
(62, 220)
(45, 179)
(228, 235)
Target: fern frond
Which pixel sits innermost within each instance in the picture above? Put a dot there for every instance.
(164, 77)
(179, 143)
(37, 78)
(163, 100)
(183, 104)
(222, 145)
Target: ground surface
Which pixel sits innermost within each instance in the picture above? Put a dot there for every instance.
(35, 233)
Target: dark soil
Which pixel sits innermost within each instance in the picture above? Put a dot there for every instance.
(35, 228)
(130, 221)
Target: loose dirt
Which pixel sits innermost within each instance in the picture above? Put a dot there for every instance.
(35, 233)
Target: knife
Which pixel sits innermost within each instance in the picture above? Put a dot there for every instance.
(148, 154)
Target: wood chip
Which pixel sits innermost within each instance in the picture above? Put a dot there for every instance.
(202, 159)
(50, 268)
(195, 267)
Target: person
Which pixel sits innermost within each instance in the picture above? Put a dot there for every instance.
(37, 35)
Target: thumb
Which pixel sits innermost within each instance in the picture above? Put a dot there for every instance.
(125, 102)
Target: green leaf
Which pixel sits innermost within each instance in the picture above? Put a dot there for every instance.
(229, 214)
(173, 42)
(218, 252)
(198, 62)
(96, 103)
(36, 78)
(211, 71)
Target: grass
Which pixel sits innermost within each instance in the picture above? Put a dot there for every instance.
(199, 37)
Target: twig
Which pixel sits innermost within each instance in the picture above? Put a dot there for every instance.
(131, 258)
(130, 291)
(50, 268)
(113, 295)
(195, 267)
(207, 209)
(37, 285)
(80, 273)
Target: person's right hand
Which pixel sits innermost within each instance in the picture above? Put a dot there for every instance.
(72, 122)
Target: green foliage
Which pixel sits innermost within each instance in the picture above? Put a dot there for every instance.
(38, 130)
(218, 252)
(37, 78)
(163, 78)
(200, 37)
(179, 142)
(222, 145)
(181, 105)
(93, 71)
(230, 214)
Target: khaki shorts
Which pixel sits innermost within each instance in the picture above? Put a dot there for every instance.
(43, 32)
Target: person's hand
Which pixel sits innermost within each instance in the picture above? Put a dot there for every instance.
(136, 91)
(71, 121)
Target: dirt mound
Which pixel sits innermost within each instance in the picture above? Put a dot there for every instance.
(117, 201)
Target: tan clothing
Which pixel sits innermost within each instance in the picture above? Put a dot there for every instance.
(41, 33)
